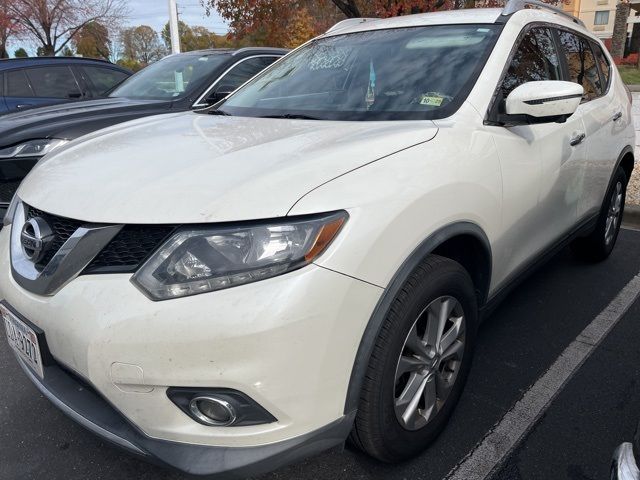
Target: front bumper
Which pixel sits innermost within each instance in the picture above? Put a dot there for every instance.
(81, 403)
(289, 343)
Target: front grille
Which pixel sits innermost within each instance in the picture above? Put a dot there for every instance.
(7, 190)
(123, 254)
(128, 249)
(62, 228)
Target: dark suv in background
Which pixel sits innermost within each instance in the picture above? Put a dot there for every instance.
(176, 83)
(35, 82)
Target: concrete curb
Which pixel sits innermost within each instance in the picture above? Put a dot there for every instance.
(634, 88)
(631, 216)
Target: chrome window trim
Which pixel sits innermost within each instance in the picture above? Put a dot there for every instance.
(197, 103)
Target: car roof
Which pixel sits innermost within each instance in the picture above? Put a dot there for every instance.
(8, 63)
(458, 17)
(238, 51)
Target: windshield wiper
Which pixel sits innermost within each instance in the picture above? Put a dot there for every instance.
(219, 112)
(292, 116)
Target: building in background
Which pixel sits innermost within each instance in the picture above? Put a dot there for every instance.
(599, 17)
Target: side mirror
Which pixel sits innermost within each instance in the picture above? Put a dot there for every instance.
(542, 102)
(219, 93)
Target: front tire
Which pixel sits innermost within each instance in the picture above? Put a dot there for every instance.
(420, 362)
(600, 243)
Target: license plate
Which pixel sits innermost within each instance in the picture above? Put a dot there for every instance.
(23, 340)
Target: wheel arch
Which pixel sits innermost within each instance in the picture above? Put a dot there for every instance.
(626, 160)
(448, 242)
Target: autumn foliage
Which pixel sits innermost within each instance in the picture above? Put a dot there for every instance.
(288, 23)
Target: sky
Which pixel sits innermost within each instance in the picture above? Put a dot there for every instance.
(155, 13)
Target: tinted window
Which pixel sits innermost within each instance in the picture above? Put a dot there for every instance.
(395, 74)
(173, 77)
(536, 59)
(605, 67)
(53, 82)
(581, 64)
(18, 85)
(245, 70)
(104, 79)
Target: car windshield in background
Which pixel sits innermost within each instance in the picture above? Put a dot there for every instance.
(398, 74)
(172, 77)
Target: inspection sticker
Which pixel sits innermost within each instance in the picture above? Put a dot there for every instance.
(431, 100)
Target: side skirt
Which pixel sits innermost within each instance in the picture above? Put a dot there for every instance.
(584, 228)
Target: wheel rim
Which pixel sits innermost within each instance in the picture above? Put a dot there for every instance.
(429, 362)
(613, 214)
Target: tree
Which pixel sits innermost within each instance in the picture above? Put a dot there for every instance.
(93, 41)
(280, 22)
(9, 27)
(130, 64)
(20, 53)
(54, 23)
(271, 22)
(193, 38)
(619, 38)
(142, 44)
(67, 52)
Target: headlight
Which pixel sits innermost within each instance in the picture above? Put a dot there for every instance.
(32, 148)
(8, 216)
(200, 259)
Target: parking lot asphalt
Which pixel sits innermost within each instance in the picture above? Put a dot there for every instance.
(596, 410)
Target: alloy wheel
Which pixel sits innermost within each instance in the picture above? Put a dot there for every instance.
(613, 215)
(429, 362)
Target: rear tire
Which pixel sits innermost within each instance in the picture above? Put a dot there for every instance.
(600, 243)
(427, 340)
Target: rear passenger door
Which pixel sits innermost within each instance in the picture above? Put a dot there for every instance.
(539, 164)
(587, 65)
(39, 86)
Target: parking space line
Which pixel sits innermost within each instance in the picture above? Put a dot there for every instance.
(498, 443)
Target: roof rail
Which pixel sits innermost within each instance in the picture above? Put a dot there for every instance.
(349, 22)
(514, 6)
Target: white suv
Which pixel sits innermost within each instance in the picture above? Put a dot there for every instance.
(310, 260)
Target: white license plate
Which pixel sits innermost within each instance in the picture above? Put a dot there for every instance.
(23, 340)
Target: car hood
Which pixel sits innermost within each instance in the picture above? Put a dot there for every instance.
(71, 120)
(196, 168)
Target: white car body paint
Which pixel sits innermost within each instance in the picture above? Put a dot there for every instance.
(290, 342)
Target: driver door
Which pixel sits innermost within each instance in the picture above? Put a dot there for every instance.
(540, 163)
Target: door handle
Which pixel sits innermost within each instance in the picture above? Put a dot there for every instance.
(23, 105)
(617, 116)
(577, 140)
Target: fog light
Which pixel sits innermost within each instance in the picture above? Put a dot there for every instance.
(219, 407)
(212, 411)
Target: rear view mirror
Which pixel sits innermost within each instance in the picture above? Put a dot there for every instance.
(542, 102)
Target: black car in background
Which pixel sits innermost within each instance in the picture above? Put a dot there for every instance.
(176, 83)
(35, 82)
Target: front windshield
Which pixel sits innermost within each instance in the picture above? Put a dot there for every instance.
(170, 78)
(396, 74)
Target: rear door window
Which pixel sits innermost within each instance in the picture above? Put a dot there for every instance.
(605, 67)
(53, 82)
(18, 85)
(581, 64)
(103, 79)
